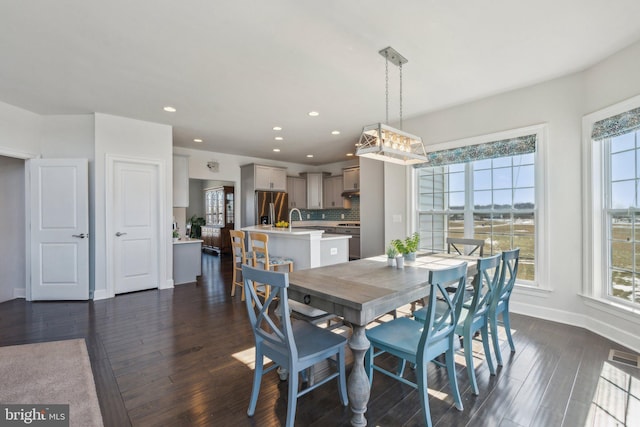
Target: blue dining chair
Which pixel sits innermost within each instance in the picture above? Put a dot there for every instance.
(420, 343)
(500, 305)
(473, 316)
(293, 346)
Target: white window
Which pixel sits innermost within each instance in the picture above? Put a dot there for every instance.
(490, 190)
(613, 223)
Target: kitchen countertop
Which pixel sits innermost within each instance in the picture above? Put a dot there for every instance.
(277, 230)
(187, 240)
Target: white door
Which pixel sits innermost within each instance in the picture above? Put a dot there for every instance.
(59, 228)
(134, 228)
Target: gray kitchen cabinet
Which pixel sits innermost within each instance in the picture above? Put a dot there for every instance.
(270, 178)
(351, 179)
(333, 192)
(297, 190)
(314, 189)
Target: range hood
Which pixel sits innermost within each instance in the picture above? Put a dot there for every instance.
(350, 194)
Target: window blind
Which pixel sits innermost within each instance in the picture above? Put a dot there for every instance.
(619, 124)
(488, 150)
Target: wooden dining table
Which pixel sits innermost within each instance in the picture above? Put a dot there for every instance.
(360, 292)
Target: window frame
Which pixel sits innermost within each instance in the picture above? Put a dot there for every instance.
(596, 178)
(541, 213)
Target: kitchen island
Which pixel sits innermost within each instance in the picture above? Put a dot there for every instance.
(308, 248)
(187, 261)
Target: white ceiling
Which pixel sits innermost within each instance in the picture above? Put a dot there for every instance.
(235, 69)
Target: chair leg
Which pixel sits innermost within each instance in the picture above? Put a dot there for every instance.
(453, 380)
(233, 280)
(401, 365)
(468, 356)
(257, 378)
(342, 378)
(493, 323)
(292, 399)
(487, 350)
(421, 377)
(507, 327)
(368, 364)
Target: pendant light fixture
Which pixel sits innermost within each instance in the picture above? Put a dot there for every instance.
(380, 141)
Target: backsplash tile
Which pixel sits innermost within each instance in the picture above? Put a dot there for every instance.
(352, 214)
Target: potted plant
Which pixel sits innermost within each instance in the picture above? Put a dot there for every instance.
(176, 235)
(408, 246)
(392, 253)
(196, 226)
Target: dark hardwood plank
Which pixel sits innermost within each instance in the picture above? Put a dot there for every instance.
(183, 357)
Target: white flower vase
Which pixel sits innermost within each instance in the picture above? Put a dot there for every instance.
(391, 262)
(400, 261)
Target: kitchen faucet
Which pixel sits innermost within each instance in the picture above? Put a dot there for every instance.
(290, 215)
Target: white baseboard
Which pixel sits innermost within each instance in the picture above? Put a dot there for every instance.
(168, 284)
(101, 294)
(590, 323)
(19, 293)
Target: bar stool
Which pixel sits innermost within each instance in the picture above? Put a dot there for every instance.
(260, 250)
(240, 257)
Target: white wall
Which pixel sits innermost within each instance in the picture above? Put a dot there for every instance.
(131, 138)
(19, 132)
(560, 104)
(12, 228)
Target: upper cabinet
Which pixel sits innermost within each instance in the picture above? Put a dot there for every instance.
(270, 178)
(351, 178)
(333, 192)
(314, 190)
(180, 181)
(297, 189)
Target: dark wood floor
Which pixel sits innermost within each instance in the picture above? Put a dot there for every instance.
(182, 358)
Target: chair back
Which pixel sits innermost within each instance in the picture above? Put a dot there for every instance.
(508, 274)
(270, 328)
(485, 285)
(440, 327)
(259, 247)
(478, 245)
(237, 246)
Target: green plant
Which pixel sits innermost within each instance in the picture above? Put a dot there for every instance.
(408, 245)
(392, 252)
(176, 234)
(196, 226)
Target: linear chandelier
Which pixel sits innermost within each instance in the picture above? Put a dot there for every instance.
(380, 141)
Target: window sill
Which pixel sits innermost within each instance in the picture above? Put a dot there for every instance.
(611, 307)
(531, 290)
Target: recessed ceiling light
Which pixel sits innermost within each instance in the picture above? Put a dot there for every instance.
(278, 138)
(314, 113)
(277, 150)
(197, 140)
(309, 155)
(169, 109)
(277, 128)
(335, 132)
(349, 154)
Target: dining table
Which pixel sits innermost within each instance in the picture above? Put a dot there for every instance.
(361, 291)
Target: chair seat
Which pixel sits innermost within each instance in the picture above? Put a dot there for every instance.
(273, 259)
(401, 334)
(311, 339)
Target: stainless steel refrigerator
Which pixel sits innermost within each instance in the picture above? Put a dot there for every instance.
(279, 202)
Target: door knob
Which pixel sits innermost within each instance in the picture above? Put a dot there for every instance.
(80, 236)
(120, 234)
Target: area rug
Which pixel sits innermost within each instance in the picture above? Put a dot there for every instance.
(57, 372)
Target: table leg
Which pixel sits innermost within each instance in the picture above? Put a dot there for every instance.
(358, 384)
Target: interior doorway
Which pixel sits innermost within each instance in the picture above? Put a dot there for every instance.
(12, 228)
